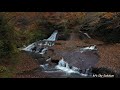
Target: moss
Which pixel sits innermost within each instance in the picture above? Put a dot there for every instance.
(6, 72)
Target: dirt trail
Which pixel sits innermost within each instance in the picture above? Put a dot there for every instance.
(72, 42)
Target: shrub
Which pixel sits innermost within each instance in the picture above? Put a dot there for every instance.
(46, 28)
(106, 29)
(7, 41)
(2, 69)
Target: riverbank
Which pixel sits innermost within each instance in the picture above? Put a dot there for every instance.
(22, 63)
(109, 57)
(27, 67)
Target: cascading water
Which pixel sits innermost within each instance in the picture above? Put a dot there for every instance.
(87, 35)
(53, 36)
(36, 47)
(62, 63)
(49, 59)
(64, 66)
(43, 51)
(44, 66)
(84, 34)
(88, 48)
(29, 47)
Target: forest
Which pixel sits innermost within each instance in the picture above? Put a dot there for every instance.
(76, 30)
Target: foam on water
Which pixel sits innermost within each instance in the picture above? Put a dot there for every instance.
(29, 47)
(88, 48)
(65, 69)
(83, 74)
(43, 51)
(49, 42)
(53, 36)
(64, 66)
(44, 66)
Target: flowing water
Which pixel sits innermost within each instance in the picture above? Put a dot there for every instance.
(87, 35)
(74, 64)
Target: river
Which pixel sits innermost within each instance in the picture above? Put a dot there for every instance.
(73, 64)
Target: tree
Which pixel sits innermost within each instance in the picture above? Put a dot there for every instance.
(7, 45)
(108, 30)
(46, 27)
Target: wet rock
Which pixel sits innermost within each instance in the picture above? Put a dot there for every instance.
(55, 58)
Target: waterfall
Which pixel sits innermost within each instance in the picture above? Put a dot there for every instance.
(44, 66)
(48, 59)
(92, 47)
(88, 48)
(53, 36)
(64, 66)
(87, 35)
(37, 47)
(67, 65)
(29, 47)
(62, 63)
(43, 51)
